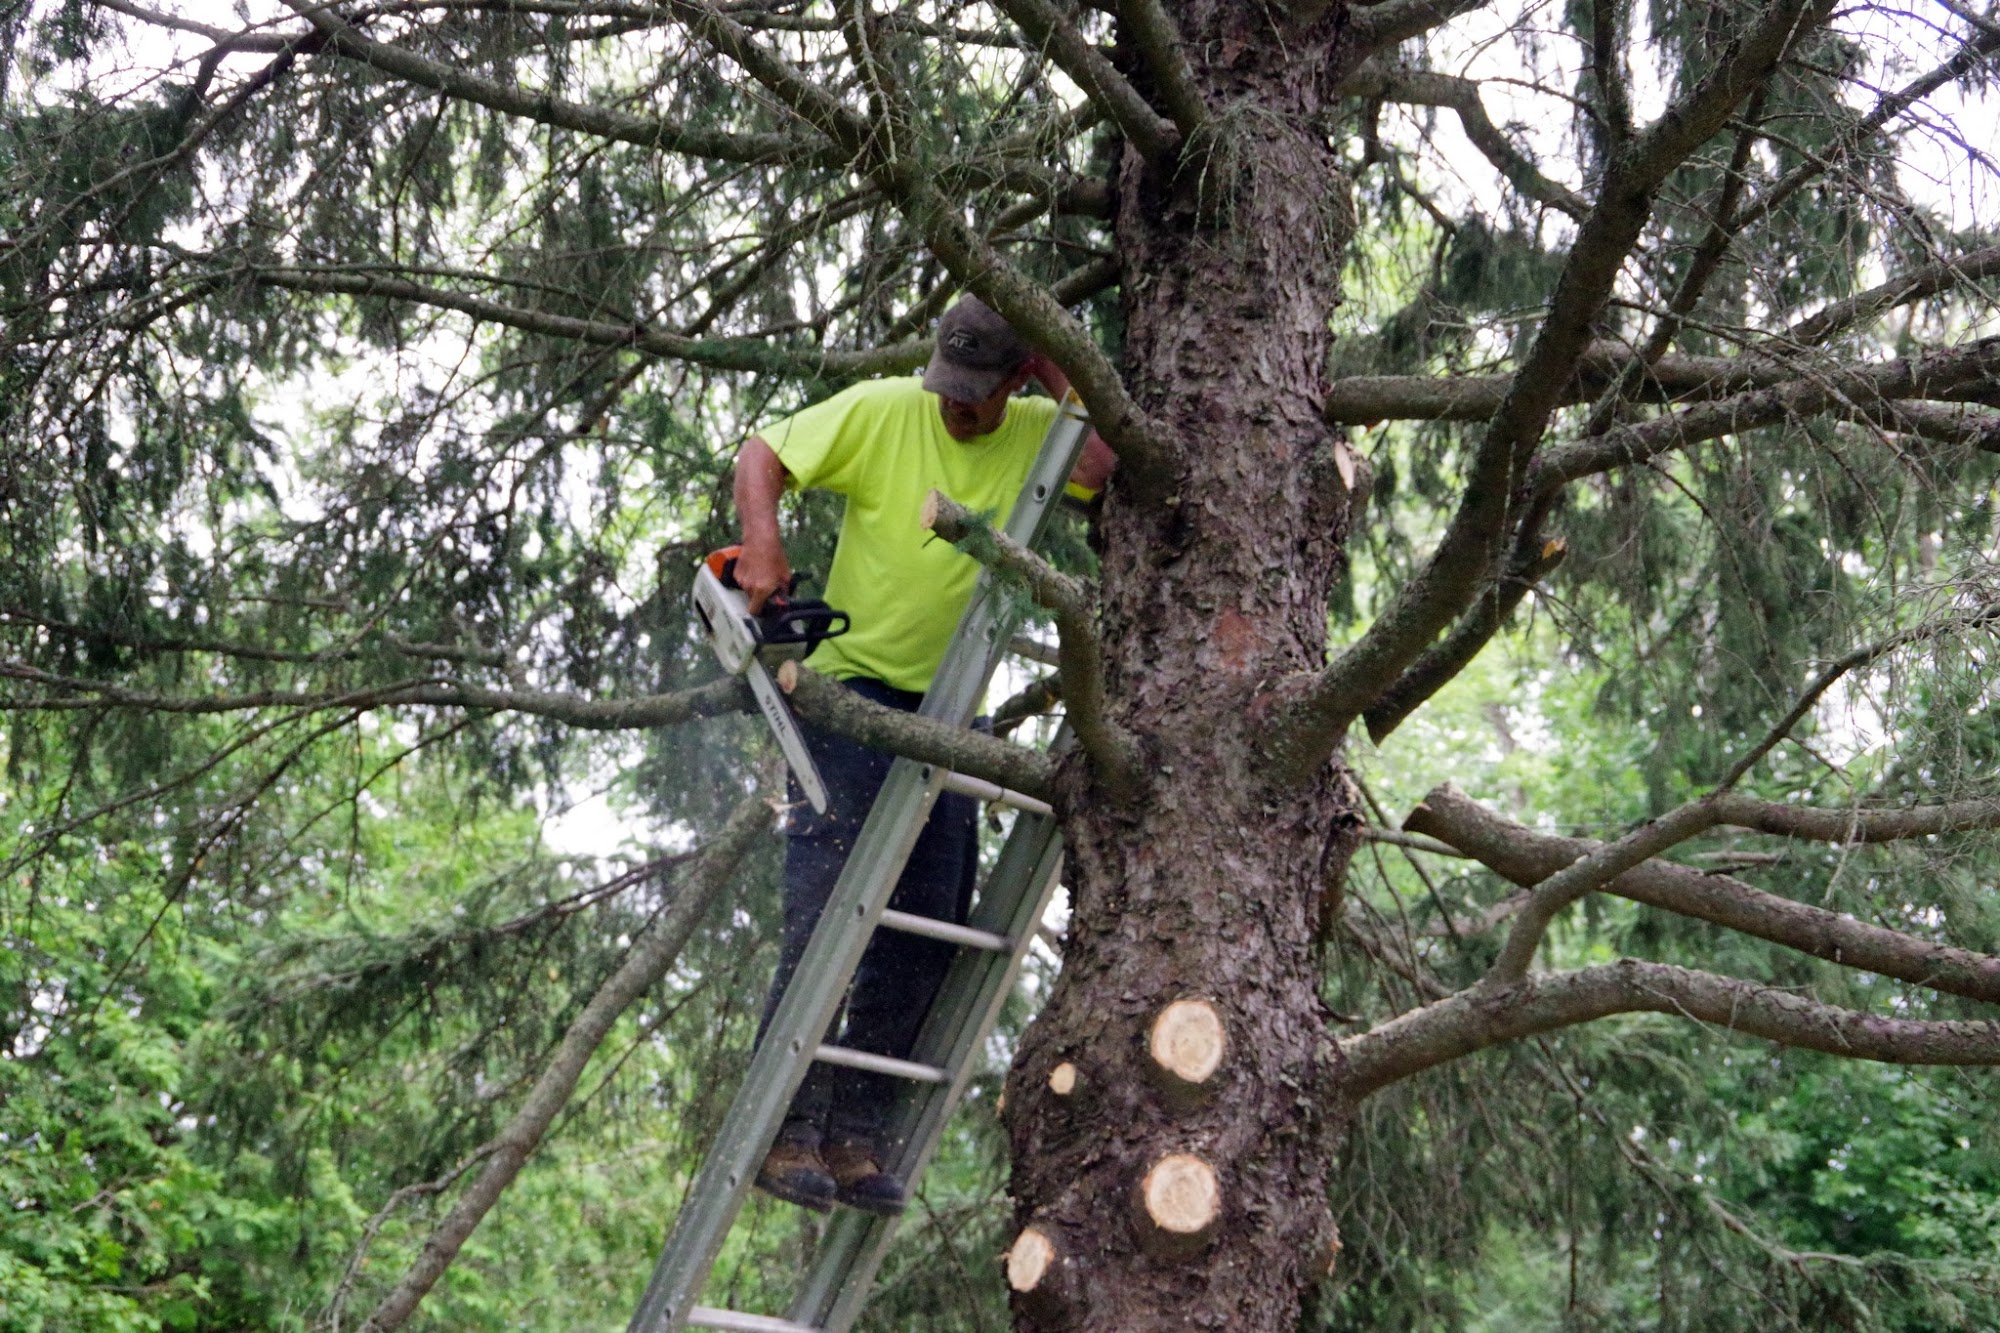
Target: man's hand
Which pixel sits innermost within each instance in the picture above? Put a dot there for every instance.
(762, 567)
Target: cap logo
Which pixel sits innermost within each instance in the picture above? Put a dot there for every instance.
(961, 341)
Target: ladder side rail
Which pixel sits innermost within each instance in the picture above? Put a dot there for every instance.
(954, 1037)
(849, 919)
(783, 1057)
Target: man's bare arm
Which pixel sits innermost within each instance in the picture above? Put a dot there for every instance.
(1094, 468)
(763, 567)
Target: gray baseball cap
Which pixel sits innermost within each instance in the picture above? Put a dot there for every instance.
(976, 352)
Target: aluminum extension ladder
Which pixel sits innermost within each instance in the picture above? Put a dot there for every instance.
(992, 945)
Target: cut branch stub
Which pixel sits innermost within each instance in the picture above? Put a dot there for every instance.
(1186, 1046)
(1062, 1079)
(1176, 1206)
(1041, 1278)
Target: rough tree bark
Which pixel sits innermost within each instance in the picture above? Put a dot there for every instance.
(1213, 588)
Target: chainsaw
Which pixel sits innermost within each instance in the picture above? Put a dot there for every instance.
(748, 645)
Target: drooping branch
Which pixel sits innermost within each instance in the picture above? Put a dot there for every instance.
(1527, 857)
(1476, 537)
(1113, 751)
(644, 964)
(1475, 1019)
(547, 109)
(1419, 87)
(740, 354)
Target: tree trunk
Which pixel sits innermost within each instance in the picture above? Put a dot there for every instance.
(1207, 889)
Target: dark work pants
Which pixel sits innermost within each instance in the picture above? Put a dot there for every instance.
(900, 973)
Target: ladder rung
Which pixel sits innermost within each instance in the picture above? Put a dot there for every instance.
(932, 928)
(707, 1316)
(879, 1064)
(982, 790)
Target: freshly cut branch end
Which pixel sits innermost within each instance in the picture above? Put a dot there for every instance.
(1062, 1079)
(788, 675)
(1176, 1206)
(1187, 1043)
(1029, 1259)
(1044, 1283)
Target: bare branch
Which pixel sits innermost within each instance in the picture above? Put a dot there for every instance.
(1527, 857)
(645, 963)
(1114, 752)
(1396, 83)
(1438, 664)
(1960, 374)
(1475, 1019)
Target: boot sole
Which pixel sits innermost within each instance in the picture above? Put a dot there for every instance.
(810, 1200)
(865, 1204)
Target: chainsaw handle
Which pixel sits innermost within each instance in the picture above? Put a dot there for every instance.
(722, 564)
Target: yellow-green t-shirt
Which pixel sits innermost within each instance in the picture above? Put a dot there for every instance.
(883, 446)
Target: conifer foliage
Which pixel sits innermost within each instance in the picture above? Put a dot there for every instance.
(1532, 667)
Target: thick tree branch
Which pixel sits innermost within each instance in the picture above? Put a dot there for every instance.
(1904, 289)
(1475, 1019)
(1438, 664)
(1393, 22)
(827, 704)
(1527, 857)
(1152, 32)
(645, 963)
(1113, 751)
(1476, 536)
(1603, 864)
(1417, 87)
(1049, 32)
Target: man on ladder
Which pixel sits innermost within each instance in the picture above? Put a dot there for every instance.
(885, 445)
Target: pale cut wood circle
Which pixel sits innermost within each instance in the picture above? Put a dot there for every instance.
(1188, 1040)
(1182, 1195)
(1062, 1079)
(1029, 1259)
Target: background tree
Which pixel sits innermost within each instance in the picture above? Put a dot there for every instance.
(367, 382)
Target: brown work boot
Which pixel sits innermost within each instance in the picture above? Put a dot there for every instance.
(860, 1183)
(794, 1172)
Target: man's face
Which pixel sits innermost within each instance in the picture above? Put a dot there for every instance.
(968, 421)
